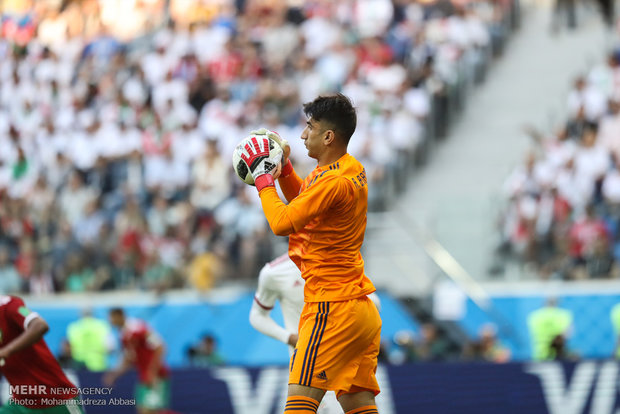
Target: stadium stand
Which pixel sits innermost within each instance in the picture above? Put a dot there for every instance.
(561, 217)
(114, 137)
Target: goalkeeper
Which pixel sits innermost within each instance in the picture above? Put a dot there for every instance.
(325, 219)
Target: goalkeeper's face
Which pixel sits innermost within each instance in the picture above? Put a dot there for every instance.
(314, 136)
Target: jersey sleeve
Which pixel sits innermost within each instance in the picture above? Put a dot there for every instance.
(290, 185)
(264, 300)
(19, 314)
(153, 340)
(265, 295)
(321, 195)
(146, 336)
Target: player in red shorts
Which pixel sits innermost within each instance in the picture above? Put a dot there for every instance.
(38, 384)
(144, 349)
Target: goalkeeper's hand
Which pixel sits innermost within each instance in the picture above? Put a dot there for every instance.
(286, 148)
(264, 166)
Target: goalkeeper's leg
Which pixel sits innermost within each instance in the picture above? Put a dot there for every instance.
(359, 401)
(302, 399)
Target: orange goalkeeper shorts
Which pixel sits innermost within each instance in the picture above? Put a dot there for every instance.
(338, 346)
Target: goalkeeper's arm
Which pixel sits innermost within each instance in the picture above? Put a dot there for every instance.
(289, 181)
(260, 319)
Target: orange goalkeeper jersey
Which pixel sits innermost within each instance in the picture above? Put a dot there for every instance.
(325, 221)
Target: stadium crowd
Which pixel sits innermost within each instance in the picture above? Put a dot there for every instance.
(115, 144)
(563, 213)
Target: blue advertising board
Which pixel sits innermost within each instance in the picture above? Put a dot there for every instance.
(585, 387)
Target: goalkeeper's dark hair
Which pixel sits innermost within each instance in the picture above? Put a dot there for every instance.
(335, 110)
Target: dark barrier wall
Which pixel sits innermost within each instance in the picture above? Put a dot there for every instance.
(466, 388)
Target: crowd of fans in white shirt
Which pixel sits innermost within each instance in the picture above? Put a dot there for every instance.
(563, 214)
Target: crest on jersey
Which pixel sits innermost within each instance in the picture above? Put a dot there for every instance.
(24, 311)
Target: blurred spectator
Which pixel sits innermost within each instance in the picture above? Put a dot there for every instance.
(204, 353)
(210, 180)
(404, 350)
(26, 258)
(585, 234)
(157, 276)
(487, 348)
(432, 346)
(559, 350)
(600, 263)
(65, 357)
(204, 270)
(564, 10)
(608, 8)
(64, 245)
(549, 326)
(88, 227)
(90, 340)
(587, 98)
(384, 357)
(158, 216)
(243, 229)
(74, 199)
(104, 279)
(41, 282)
(608, 129)
(10, 282)
(80, 276)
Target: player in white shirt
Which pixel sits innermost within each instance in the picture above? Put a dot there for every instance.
(280, 280)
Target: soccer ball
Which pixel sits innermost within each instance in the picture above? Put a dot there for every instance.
(241, 167)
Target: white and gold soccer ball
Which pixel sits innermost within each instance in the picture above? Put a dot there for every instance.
(242, 169)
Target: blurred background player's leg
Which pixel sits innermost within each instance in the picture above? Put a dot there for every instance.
(564, 13)
(153, 399)
(302, 399)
